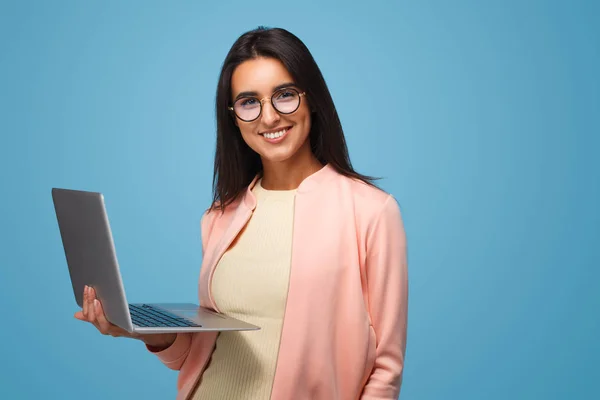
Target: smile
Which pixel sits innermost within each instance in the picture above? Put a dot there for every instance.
(275, 136)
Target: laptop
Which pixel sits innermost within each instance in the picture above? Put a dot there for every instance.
(92, 260)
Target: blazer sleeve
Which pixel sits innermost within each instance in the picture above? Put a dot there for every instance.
(175, 355)
(387, 281)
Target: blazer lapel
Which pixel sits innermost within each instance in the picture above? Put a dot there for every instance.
(241, 217)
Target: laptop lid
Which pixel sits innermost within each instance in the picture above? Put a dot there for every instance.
(90, 251)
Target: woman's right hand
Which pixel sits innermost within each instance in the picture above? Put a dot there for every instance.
(93, 313)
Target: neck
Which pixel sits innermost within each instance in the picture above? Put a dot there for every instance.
(289, 174)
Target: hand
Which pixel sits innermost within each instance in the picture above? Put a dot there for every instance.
(94, 313)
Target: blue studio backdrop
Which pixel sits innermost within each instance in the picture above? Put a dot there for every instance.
(481, 118)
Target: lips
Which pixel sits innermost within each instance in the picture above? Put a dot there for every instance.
(275, 134)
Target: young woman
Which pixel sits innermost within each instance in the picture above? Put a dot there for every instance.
(296, 242)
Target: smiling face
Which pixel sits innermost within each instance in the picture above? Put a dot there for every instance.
(275, 136)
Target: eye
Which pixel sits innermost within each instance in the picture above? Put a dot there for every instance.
(248, 102)
(285, 94)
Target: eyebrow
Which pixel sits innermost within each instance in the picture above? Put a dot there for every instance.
(276, 88)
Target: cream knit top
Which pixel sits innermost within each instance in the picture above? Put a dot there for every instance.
(251, 283)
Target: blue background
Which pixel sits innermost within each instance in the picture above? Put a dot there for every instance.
(482, 118)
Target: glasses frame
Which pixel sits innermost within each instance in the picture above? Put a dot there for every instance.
(270, 98)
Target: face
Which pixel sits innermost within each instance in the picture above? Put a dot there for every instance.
(275, 136)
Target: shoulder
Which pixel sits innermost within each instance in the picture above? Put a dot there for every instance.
(214, 214)
(378, 217)
(373, 210)
(369, 201)
(214, 217)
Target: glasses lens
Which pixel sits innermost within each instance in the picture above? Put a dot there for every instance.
(247, 108)
(286, 101)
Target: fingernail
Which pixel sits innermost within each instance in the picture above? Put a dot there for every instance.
(96, 304)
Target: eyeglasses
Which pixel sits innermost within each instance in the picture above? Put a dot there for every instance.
(284, 101)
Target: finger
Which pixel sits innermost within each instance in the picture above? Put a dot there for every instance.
(105, 326)
(91, 311)
(92, 296)
(92, 308)
(85, 302)
(79, 315)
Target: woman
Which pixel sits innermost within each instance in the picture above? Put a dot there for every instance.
(295, 242)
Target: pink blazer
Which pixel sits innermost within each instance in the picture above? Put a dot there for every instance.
(344, 331)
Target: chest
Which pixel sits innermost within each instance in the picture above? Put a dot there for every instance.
(321, 249)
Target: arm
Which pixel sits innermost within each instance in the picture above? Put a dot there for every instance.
(174, 355)
(387, 280)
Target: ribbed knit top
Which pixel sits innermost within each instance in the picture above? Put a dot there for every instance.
(251, 283)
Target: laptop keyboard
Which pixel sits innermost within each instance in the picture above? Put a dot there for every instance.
(148, 316)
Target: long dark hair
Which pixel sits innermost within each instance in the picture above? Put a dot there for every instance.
(236, 164)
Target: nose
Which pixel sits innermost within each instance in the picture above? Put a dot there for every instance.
(270, 116)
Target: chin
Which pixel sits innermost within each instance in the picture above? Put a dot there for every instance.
(283, 152)
(276, 158)
(279, 153)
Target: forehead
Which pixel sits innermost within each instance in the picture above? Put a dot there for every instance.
(260, 75)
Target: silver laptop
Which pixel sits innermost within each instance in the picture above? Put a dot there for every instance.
(92, 260)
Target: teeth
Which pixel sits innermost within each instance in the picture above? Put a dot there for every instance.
(274, 135)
